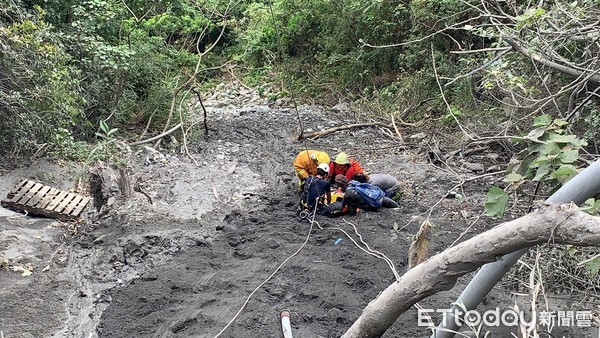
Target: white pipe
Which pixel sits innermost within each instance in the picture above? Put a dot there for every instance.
(285, 324)
(583, 186)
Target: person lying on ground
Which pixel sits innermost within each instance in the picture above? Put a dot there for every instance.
(366, 197)
(341, 183)
(306, 163)
(345, 165)
(336, 208)
(317, 191)
(388, 183)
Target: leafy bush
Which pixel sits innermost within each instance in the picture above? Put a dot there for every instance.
(551, 156)
(39, 92)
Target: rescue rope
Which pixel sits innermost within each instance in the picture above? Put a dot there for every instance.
(368, 250)
(312, 221)
(291, 87)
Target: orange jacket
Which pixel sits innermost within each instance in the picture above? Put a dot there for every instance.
(347, 170)
(305, 166)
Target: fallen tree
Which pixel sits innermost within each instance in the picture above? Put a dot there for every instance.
(325, 132)
(561, 224)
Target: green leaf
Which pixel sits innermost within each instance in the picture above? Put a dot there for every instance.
(112, 131)
(536, 133)
(571, 250)
(495, 203)
(539, 161)
(560, 122)
(103, 127)
(569, 156)
(542, 120)
(593, 266)
(564, 170)
(513, 177)
(579, 143)
(562, 138)
(551, 148)
(590, 206)
(541, 172)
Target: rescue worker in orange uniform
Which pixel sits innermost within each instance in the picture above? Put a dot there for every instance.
(306, 164)
(345, 166)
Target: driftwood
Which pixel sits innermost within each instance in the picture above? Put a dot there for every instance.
(322, 133)
(563, 224)
(98, 187)
(124, 183)
(417, 253)
(157, 137)
(107, 183)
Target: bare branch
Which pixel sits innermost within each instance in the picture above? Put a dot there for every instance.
(157, 137)
(458, 24)
(483, 50)
(322, 133)
(191, 78)
(561, 68)
(485, 65)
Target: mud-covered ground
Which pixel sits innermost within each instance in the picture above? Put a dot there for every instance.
(184, 265)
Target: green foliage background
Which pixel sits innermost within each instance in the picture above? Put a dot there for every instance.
(66, 66)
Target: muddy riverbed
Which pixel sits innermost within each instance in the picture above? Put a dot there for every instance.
(184, 265)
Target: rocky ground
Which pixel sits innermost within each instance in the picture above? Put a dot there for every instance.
(184, 265)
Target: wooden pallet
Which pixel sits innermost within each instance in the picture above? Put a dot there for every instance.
(39, 199)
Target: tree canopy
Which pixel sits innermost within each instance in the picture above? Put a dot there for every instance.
(67, 65)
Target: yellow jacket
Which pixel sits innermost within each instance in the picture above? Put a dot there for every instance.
(307, 161)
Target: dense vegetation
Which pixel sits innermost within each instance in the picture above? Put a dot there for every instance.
(73, 71)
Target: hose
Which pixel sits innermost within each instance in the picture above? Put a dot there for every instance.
(285, 324)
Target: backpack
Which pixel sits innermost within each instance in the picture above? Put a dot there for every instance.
(371, 193)
(304, 211)
(308, 183)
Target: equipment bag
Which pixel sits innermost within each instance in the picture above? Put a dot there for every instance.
(371, 193)
(308, 183)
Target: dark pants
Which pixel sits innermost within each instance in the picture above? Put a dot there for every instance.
(354, 200)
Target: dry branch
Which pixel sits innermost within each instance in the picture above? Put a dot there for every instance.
(419, 248)
(157, 137)
(551, 64)
(322, 133)
(563, 224)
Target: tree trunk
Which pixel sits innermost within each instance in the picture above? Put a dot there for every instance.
(563, 224)
(124, 183)
(97, 188)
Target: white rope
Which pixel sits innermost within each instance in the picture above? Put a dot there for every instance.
(312, 221)
(368, 250)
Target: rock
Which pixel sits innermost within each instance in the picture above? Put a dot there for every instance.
(282, 101)
(476, 167)
(341, 107)
(418, 136)
(335, 314)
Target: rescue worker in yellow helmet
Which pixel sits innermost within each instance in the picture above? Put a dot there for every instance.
(344, 165)
(307, 161)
